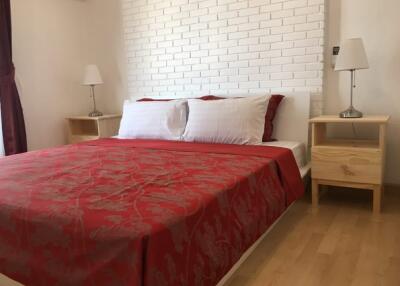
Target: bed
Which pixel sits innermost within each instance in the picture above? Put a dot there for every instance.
(141, 212)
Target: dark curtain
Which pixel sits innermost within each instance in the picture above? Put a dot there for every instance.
(11, 110)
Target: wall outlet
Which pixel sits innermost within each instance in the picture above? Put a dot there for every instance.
(335, 53)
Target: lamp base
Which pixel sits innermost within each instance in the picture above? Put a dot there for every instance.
(351, 112)
(95, 113)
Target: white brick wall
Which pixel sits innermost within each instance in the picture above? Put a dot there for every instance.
(186, 48)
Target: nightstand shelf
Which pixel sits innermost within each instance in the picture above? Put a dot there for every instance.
(84, 128)
(349, 143)
(350, 163)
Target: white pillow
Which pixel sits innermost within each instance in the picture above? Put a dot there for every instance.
(153, 120)
(229, 121)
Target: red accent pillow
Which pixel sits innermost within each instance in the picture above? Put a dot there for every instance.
(152, 99)
(273, 105)
(211, 97)
(206, 97)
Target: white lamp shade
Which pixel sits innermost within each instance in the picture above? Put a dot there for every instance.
(352, 56)
(92, 76)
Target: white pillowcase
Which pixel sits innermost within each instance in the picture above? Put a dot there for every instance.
(229, 121)
(153, 120)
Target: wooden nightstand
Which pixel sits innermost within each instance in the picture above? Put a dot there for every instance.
(83, 128)
(349, 163)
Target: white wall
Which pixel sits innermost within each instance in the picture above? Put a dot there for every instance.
(49, 51)
(52, 41)
(377, 22)
(107, 50)
(190, 48)
(279, 49)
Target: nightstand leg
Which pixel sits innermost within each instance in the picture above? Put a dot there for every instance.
(315, 193)
(377, 199)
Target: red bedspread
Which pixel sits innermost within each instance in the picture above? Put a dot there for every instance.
(131, 212)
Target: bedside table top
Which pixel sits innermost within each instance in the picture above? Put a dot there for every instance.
(107, 116)
(337, 119)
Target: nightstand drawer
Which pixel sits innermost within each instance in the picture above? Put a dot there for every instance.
(347, 165)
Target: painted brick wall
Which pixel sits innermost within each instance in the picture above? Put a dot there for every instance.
(185, 48)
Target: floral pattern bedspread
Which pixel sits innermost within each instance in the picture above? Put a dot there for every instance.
(138, 212)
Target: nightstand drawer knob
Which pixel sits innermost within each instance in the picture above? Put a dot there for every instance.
(347, 171)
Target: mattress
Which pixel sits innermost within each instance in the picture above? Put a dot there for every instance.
(299, 151)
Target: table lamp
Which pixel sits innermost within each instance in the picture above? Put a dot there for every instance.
(92, 78)
(351, 57)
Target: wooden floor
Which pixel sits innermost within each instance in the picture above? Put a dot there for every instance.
(340, 244)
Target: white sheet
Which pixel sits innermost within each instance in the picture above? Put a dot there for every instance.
(299, 152)
(298, 149)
